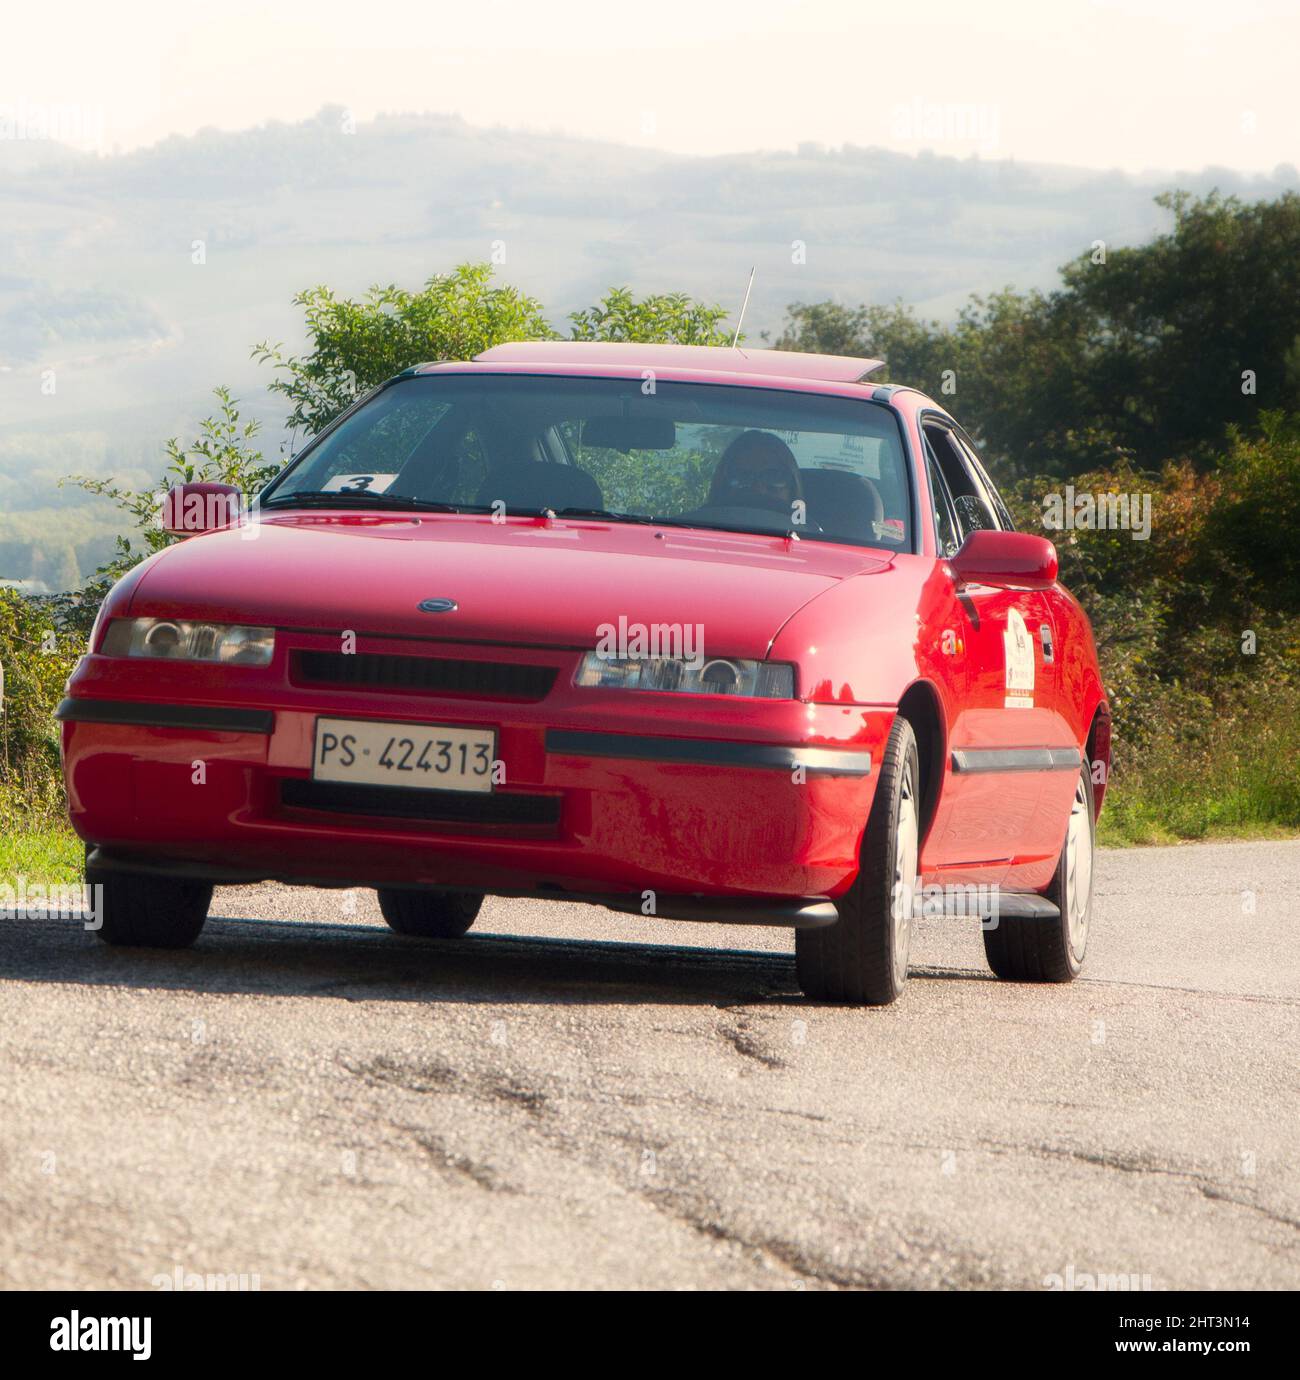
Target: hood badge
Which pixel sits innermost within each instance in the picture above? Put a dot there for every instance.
(437, 605)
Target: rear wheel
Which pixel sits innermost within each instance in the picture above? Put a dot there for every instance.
(1026, 949)
(141, 911)
(429, 914)
(862, 958)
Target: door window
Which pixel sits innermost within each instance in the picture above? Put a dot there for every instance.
(945, 522)
(982, 475)
(971, 505)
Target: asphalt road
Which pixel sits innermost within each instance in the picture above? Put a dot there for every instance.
(570, 1097)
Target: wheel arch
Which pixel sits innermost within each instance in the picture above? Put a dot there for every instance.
(1098, 750)
(921, 706)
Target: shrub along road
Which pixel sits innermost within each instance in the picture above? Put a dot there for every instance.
(575, 1098)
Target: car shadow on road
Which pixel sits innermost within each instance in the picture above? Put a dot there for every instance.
(369, 963)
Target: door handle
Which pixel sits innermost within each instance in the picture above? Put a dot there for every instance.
(1049, 649)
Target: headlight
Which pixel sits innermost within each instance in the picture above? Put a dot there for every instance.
(173, 639)
(713, 676)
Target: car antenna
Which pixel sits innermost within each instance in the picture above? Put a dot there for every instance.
(735, 342)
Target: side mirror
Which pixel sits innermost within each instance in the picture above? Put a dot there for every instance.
(202, 506)
(1005, 558)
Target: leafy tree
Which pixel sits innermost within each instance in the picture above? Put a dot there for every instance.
(660, 319)
(914, 351)
(1172, 326)
(356, 345)
(1020, 385)
(1142, 355)
(456, 315)
(1249, 535)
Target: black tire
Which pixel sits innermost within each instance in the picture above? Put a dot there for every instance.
(1022, 949)
(430, 914)
(862, 958)
(139, 911)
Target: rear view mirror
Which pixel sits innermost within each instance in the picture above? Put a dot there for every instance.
(1005, 558)
(630, 433)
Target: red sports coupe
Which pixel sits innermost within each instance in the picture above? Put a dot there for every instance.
(721, 634)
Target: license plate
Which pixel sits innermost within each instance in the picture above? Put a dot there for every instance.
(424, 756)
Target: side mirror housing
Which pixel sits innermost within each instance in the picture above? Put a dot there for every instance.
(201, 506)
(1005, 558)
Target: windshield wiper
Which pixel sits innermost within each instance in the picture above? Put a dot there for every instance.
(363, 498)
(786, 532)
(599, 514)
(650, 520)
(603, 513)
(647, 519)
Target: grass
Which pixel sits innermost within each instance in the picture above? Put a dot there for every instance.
(41, 852)
(1143, 826)
(1235, 777)
(36, 840)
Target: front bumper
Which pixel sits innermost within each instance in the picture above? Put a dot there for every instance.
(607, 794)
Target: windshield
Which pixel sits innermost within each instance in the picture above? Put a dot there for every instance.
(701, 455)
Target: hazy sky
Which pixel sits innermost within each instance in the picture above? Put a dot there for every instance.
(1100, 83)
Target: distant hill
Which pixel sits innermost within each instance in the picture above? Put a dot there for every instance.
(97, 282)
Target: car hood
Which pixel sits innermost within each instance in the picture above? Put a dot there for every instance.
(523, 580)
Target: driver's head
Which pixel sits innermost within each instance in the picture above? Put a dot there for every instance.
(757, 470)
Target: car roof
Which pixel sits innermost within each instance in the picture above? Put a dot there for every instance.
(713, 359)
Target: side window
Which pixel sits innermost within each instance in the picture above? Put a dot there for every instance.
(982, 475)
(972, 507)
(945, 523)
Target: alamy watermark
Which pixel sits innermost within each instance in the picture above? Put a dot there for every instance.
(190, 1281)
(75, 1332)
(1088, 512)
(52, 901)
(1085, 1281)
(627, 641)
(951, 900)
(187, 508)
(947, 122)
(66, 123)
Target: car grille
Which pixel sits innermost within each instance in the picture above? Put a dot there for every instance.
(427, 675)
(399, 802)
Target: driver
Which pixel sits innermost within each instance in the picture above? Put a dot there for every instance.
(757, 470)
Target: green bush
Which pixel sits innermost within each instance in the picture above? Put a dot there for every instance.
(1229, 769)
(37, 654)
(1198, 631)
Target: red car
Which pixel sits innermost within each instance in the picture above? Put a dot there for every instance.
(701, 633)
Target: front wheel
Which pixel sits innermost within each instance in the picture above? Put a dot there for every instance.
(429, 914)
(136, 910)
(862, 958)
(1029, 949)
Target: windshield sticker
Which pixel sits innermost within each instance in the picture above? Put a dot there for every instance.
(358, 484)
(814, 450)
(1020, 663)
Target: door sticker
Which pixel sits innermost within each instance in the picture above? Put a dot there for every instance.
(1020, 663)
